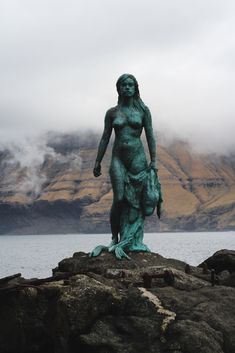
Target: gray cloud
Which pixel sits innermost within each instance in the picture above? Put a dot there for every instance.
(60, 60)
(23, 169)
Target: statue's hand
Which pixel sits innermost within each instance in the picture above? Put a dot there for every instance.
(97, 169)
(97, 250)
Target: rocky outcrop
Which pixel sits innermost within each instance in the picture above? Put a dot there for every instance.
(104, 305)
(57, 192)
(223, 263)
(222, 260)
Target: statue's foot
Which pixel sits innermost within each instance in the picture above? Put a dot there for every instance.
(119, 252)
(139, 247)
(97, 250)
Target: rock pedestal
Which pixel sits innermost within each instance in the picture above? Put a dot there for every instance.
(102, 305)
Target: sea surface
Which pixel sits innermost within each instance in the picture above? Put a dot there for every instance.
(36, 255)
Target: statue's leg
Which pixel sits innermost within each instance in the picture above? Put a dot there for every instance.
(132, 217)
(117, 174)
(115, 221)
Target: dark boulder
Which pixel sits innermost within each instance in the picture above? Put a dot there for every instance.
(222, 260)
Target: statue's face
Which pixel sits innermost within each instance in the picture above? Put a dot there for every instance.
(127, 88)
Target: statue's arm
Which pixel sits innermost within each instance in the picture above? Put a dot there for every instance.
(103, 143)
(150, 137)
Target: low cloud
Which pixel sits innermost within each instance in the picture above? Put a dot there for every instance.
(23, 167)
(60, 61)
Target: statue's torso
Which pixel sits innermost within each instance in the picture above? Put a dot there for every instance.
(128, 147)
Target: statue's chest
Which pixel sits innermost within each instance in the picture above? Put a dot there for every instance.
(133, 119)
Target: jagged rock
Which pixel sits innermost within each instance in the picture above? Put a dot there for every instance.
(212, 305)
(222, 260)
(101, 306)
(197, 337)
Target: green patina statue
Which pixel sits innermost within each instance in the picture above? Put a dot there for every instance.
(136, 189)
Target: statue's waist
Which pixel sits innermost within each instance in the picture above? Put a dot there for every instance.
(128, 144)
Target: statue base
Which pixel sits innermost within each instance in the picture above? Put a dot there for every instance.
(119, 249)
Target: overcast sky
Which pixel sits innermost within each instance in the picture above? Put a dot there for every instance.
(60, 61)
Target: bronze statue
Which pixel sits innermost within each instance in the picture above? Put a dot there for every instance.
(136, 189)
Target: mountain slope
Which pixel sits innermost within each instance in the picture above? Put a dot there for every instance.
(57, 192)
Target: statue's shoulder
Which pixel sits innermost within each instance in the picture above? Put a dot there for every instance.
(111, 111)
(146, 109)
(147, 113)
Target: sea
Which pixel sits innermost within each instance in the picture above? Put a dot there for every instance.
(34, 256)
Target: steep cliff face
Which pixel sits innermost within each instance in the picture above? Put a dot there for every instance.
(57, 192)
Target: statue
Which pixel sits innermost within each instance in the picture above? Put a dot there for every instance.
(136, 189)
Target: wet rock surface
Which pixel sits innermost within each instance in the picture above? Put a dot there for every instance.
(147, 304)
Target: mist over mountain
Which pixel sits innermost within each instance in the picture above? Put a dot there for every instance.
(47, 186)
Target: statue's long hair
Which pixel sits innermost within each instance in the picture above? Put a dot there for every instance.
(137, 101)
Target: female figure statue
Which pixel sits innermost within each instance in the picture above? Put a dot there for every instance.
(136, 190)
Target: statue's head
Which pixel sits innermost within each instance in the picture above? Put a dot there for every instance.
(127, 78)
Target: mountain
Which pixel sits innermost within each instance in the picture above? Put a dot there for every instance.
(48, 187)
